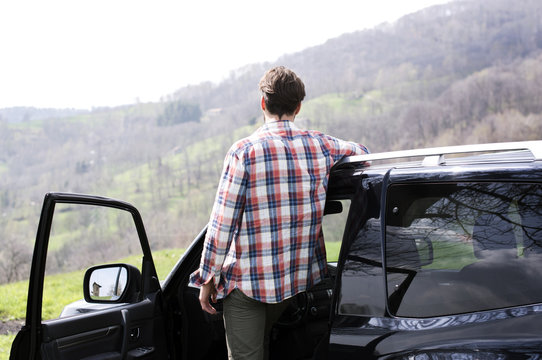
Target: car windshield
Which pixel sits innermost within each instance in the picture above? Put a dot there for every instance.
(459, 248)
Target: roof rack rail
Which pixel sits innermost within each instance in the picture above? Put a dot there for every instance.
(435, 156)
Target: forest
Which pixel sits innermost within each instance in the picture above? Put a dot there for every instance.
(465, 72)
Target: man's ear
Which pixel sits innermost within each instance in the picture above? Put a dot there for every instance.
(263, 103)
(297, 109)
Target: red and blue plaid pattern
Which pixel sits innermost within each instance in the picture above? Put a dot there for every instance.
(264, 235)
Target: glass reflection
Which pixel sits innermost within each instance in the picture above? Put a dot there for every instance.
(486, 239)
(108, 284)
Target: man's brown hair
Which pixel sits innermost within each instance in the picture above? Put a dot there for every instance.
(282, 91)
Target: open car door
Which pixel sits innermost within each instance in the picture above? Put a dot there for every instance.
(121, 316)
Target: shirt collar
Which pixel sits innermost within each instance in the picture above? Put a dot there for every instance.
(278, 124)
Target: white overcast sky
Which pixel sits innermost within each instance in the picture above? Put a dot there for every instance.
(84, 54)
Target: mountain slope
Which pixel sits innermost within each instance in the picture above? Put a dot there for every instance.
(464, 72)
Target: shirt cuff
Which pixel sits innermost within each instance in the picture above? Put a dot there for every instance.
(197, 280)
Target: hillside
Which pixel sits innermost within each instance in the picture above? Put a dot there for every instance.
(465, 72)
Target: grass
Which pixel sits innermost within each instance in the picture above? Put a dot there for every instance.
(332, 250)
(13, 300)
(5, 345)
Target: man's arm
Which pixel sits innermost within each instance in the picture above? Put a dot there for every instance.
(225, 219)
(342, 148)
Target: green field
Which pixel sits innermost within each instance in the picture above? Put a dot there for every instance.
(5, 345)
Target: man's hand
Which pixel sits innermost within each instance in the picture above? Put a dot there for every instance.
(207, 291)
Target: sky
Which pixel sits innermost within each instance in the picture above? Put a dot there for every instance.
(85, 54)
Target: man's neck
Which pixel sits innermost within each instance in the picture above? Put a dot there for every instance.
(269, 118)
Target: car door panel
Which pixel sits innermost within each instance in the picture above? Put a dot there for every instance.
(132, 330)
(109, 334)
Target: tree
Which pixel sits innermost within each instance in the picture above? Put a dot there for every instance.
(178, 112)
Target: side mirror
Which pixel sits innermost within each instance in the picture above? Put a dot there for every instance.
(333, 207)
(112, 283)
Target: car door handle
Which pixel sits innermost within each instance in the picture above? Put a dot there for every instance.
(134, 334)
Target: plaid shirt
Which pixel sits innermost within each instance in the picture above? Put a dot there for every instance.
(264, 236)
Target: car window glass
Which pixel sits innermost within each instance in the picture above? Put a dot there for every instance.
(83, 236)
(362, 290)
(333, 228)
(362, 283)
(465, 247)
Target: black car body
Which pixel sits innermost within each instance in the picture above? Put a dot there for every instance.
(440, 257)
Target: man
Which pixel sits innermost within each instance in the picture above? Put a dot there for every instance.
(264, 242)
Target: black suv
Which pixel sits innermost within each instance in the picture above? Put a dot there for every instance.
(433, 253)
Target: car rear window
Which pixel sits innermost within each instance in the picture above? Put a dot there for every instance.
(462, 247)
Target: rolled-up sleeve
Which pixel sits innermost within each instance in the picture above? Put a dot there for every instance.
(342, 148)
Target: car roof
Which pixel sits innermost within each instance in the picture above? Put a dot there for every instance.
(522, 151)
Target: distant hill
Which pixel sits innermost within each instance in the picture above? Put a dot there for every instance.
(25, 114)
(464, 72)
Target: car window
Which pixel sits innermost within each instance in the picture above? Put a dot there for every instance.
(464, 247)
(362, 289)
(362, 283)
(333, 228)
(83, 236)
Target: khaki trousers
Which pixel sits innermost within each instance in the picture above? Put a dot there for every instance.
(248, 324)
